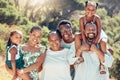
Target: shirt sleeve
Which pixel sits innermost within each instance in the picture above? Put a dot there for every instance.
(103, 36)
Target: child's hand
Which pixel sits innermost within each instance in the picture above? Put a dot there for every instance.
(20, 71)
(85, 47)
(93, 48)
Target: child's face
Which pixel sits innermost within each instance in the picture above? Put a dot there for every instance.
(66, 32)
(90, 10)
(54, 41)
(35, 37)
(16, 38)
(90, 31)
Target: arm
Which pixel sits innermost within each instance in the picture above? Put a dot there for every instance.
(8, 69)
(13, 52)
(108, 59)
(99, 27)
(103, 46)
(78, 52)
(83, 47)
(38, 63)
(81, 22)
(77, 41)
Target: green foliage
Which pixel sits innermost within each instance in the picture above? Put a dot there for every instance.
(8, 13)
(102, 13)
(75, 25)
(22, 20)
(74, 18)
(2, 46)
(112, 28)
(44, 39)
(3, 3)
(116, 69)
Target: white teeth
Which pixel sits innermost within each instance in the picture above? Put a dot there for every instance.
(65, 35)
(34, 40)
(90, 34)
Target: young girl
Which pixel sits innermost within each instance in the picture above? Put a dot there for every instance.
(57, 61)
(91, 17)
(14, 58)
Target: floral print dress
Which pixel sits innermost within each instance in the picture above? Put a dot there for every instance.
(29, 59)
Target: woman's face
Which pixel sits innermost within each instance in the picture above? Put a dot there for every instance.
(16, 38)
(54, 41)
(90, 10)
(35, 36)
(66, 32)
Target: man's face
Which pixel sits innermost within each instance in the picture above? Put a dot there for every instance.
(90, 31)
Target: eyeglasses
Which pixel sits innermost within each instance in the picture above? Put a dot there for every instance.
(67, 30)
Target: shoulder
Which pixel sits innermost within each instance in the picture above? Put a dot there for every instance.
(24, 47)
(82, 18)
(13, 50)
(97, 17)
(65, 50)
(12, 47)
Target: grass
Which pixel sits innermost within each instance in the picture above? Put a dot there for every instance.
(4, 75)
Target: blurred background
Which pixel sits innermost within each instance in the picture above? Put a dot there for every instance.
(23, 14)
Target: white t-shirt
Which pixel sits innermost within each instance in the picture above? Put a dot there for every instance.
(89, 69)
(57, 65)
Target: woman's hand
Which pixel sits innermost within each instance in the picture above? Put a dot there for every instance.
(20, 71)
(14, 77)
